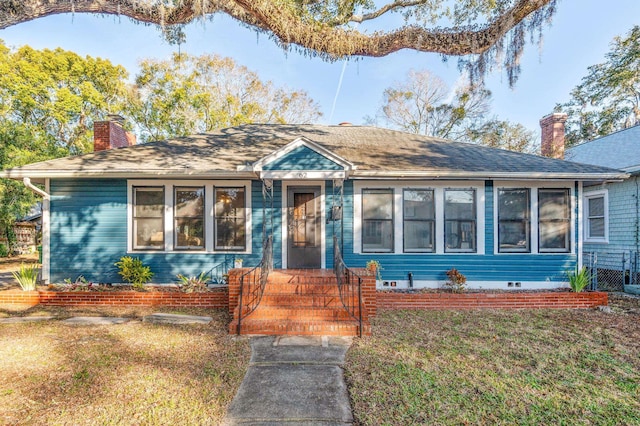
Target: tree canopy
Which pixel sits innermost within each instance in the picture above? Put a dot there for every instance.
(422, 104)
(193, 94)
(491, 30)
(608, 97)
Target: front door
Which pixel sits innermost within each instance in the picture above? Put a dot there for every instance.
(304, 227)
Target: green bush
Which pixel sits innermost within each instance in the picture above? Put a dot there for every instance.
(134, 272)
(27, 276)
(193, 284)
(579, 279)
(4, 250)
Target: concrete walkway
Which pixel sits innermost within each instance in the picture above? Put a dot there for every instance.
(294, 381)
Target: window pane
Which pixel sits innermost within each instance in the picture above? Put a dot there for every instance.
(377, 220)
(418, 204)
(596, 228)
(377, 204)
(596, 206)
(189, 202)
(148, 233)
(230, 219)
(419, 217)
(460, 224)
(513, 220)
(190, 233)
(418, 235)
(554, 225)
(148, 218)
(459, 204)
(377, 235)
(149, 202)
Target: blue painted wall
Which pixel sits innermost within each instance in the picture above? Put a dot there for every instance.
(487, 267)
(302, 158)
(89, 234)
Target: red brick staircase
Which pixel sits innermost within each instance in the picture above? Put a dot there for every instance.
(301, 302)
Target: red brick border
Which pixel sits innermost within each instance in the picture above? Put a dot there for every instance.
(214, 299)
(515, 300)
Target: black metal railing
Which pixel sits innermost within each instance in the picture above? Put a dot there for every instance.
(349, 286)
(253, 282)
(219, 274)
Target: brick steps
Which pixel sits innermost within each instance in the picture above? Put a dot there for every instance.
(300, 303)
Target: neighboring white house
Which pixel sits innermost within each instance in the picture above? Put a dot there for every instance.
(611, 212)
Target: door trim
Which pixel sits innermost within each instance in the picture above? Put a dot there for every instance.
(285, 235)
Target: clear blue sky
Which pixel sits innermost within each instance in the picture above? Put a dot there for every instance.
(579, 36)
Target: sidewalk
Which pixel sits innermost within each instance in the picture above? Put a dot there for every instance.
(295, 381)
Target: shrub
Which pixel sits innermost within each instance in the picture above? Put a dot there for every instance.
(4, 250)
(27, 276)
(193, 284)
(134, 272)
(457, 282)
(579, 279)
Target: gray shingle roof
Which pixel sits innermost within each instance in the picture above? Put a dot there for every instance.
(619, 150)
(374, 151)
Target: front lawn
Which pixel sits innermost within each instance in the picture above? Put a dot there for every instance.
(499, 367)
(136, 373)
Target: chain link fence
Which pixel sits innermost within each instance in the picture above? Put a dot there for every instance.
(611, 272)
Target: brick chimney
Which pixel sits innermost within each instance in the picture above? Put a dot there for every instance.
(110, 134)
(552, 144)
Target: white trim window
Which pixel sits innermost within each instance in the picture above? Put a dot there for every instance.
(188, 217)
(460, 222)
(377, 221)
(514, 220)
(419, 218)
(230, 219)
(596, 226)
(554, 220)
(148, 217)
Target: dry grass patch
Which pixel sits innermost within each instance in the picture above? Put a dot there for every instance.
(135, 373)
(497, 367)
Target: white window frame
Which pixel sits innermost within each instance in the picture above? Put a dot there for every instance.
(587, 196)
(176, 247)
(406, 219)
(535, 221)
(215, 228)
(497, 221)
(398, 207)
(169, 234)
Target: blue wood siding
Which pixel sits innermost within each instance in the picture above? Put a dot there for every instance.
(487, 267)
(302, 158)
(89, 234)
(88, 228)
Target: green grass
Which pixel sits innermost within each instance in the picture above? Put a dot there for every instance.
(135, 373)
(497, 367)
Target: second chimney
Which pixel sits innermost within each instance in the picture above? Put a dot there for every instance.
(110, 134)
(552, 144)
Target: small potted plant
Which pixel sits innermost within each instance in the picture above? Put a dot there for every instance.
(457, 282)
(374, 267)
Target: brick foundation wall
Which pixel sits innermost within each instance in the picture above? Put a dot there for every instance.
(548, 300)
(214, 299)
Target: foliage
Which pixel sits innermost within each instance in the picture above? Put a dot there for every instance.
(483, 34)
(608, 97)
(579, 279)
(80, 283)
(194, 283)
(133, 271)
(374, 267)
(194, 94)
(420, 104)
(4, 250)
(457, 282)
(27, 276)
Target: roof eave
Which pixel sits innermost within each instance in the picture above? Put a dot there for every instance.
(448, 174)
(125, 174)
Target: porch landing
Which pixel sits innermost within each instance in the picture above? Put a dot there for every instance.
(300, 302)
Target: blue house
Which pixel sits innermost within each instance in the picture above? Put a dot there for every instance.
(612, 209)
(418, 205)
